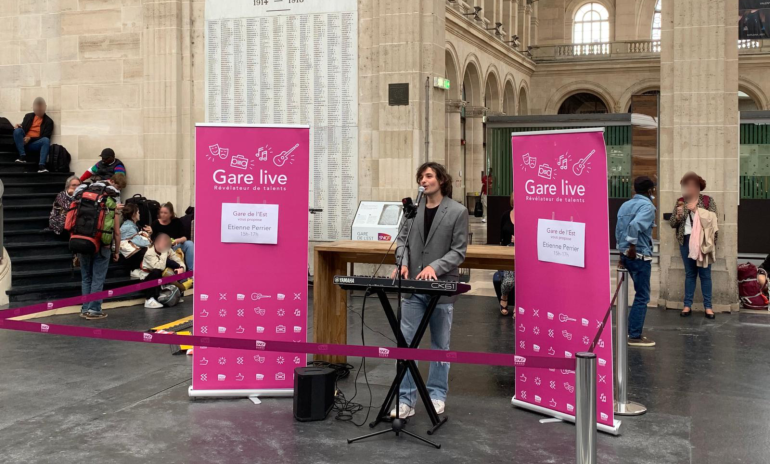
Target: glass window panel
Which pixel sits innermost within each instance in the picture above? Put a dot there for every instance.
(605, 37)
(595, 32)
(656, 34)
(577, 37)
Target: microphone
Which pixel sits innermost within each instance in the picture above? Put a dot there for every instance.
(420, 192)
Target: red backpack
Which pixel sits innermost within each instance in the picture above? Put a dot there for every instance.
(748, 288)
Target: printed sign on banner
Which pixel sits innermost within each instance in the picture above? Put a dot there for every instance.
(562, 264)
(250, 261)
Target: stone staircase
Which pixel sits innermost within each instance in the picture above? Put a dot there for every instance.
(41, 261)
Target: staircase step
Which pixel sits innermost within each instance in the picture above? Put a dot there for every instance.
(56, 291)
(23, 188)
(41, 263)
(32, 222)
(25, 211)
(35, 249)
(9, 178)
(31, 235)
(50, 276)
(11, 166)
(16, 199)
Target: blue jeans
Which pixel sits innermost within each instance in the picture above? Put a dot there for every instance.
(188, 248)
(640, 272)
(42, 145)
(691, 272)
(412, 310)
(93, 269)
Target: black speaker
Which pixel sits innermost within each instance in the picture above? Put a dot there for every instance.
(313, 393)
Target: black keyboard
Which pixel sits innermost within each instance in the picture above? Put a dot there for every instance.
(425, 287)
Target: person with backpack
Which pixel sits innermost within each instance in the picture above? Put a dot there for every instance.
(94, 227)
(107, 167)
(61, 206)
(683, 219)
(34, 133)
(156, 260)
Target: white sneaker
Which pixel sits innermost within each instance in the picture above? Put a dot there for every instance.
(404, 411)
(484, 221)
(152, 303)
(438, 405)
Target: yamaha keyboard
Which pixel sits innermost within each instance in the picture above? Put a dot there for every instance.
(423, 287)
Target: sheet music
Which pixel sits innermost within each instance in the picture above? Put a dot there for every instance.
(276, 62)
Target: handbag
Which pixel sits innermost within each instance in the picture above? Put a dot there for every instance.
(128, 248)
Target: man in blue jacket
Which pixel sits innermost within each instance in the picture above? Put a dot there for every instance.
(633, 234)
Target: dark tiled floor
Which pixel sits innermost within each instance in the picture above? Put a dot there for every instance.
(66, 400)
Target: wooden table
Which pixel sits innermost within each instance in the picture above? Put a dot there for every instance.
(330, 313)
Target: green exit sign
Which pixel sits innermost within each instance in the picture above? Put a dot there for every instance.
(441, 83)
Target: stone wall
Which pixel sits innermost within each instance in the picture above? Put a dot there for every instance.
(115, 73)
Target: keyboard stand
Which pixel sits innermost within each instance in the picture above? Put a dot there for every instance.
(403, 367)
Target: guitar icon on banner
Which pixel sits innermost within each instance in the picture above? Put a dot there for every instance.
(280, 159)
(581, 165)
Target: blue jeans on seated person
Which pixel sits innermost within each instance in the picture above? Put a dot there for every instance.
(42, 145)
(692, 271)
(93, 269)
(640, 272)
(412, 310)
(188, 248)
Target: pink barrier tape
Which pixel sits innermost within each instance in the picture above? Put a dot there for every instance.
(75, 300)
(415, 354)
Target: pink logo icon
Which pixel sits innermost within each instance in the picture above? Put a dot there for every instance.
(570, 408)
(259, 359)
(280, 376)
(451, 355)
(519, 360)
(260, 345)
(260, 377)
(49, 305)
(297, 329)
(538, 399)
(384, 352)
(98, 332)
(323, 347)
(44, 328)
(147, 337)
(281, 329)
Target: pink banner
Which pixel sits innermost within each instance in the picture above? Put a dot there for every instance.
(562, 263)
(251, 238)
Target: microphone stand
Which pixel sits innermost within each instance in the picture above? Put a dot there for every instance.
(397, 424)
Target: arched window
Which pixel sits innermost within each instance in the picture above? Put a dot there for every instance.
(656, 21)
(592, 24)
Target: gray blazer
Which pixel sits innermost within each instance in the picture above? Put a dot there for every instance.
(444, 247)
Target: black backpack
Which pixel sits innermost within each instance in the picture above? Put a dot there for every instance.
(58, 159)
(478, 210)
(148, 209)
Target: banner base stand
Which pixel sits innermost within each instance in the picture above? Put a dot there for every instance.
(267, 393)
(615, 430)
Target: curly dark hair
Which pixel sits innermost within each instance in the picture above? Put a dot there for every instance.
(692, 177)
(444, 179)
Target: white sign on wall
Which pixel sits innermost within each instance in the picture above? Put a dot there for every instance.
(561, 242)
(282, 62)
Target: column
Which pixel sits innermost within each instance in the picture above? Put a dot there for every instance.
(523, 25)
(528, 25)
(474, 160)
(514, 26)
(699, 131)
(533, 25)
(506, 19)
(392, 138)
(454, 152)
(167, 167)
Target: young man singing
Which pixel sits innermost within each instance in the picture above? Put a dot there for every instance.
(437, 244)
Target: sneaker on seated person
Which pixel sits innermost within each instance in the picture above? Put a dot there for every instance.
(152, 303)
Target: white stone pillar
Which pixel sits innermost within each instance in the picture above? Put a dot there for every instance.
(699, 132)
(453, 149)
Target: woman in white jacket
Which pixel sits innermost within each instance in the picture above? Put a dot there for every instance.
(157, 258)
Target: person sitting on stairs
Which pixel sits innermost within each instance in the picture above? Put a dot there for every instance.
(34, 133)
(157, 258)
(104, 169)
